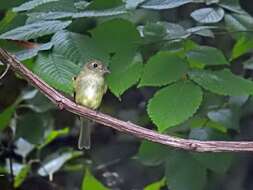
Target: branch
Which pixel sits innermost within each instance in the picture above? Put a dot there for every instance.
(127, 127)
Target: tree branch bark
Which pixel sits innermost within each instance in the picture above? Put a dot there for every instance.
(127, 127)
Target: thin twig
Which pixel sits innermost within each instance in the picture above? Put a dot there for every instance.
(127, 127)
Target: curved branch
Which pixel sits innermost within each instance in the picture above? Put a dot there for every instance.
(127, 127)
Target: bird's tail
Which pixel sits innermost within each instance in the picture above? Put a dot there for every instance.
(85, 134)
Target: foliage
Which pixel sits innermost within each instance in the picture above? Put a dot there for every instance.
(176, 71)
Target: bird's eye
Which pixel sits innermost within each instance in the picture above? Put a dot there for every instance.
(95, 65)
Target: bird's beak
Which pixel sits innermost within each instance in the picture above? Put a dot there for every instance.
(106, 70)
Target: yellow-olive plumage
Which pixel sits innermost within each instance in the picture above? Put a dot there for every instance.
(89, 87)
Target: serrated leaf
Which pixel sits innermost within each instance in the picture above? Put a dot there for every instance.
(163, 68)
(128, 69)
(108, 36)
(206, 55)
(183, 172)
(174, 104)
(101, 13)
(208, 15)
(77, 48)
(31, 4)
(222, 82)
(56, 71)
(90, 182)
(164, 4)
(35, 30)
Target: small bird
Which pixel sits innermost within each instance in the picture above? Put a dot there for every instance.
(89, 87)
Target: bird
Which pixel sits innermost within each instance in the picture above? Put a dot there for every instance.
(89, 88)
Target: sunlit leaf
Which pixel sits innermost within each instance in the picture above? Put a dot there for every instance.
(164, 4)
(208, 15)
(22, 175)
(6, 116)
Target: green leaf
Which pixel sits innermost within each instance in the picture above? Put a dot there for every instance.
(156, 185)
(101, 13)
(22, 175)
(217, 162)
(163, 68)
(108, 36)
(31, 4)
(164, 4)
(204, 31)
(174, 104)
(205, 55)
(152, 154)
(8, 18)
(242, 46)
(56, 71)
(90, 182)
(27, 130)
(32, 52)
(183, 172)
(52, 135)
(77, 48)
(35, 30)
(128, 69)
(222, 82)
(208, 15)
(6, 116)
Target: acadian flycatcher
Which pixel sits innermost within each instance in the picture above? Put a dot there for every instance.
(89, 87)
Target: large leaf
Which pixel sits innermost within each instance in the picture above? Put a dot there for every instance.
(183, 172)
(56, 71)
(163, 68)
(222, 82)
(101, 13)
(109, 36)
(164, 4)
(90, 182)
(128, 69)
(31, 4)
(174, 104)
(35, 30)
(205, 55)
(77, 48)
(208, 15)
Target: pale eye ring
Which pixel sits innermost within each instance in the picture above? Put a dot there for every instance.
(95, 65)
